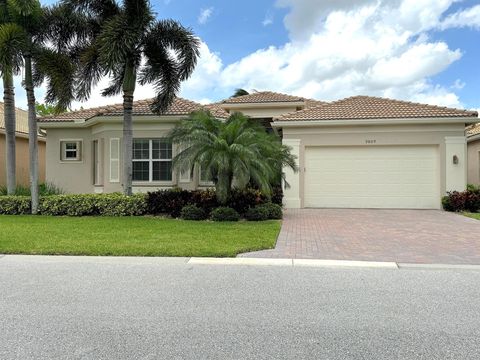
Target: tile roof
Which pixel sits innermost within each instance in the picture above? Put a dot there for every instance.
(368, 107)
(21, 120)
(140, 107)
(473, 130)
(263, 97)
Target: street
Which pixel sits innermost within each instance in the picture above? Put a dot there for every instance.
(148, 308)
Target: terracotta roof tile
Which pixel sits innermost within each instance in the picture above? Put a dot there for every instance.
(367, 107)
(473, 130)
(21, 120)
(140, 107)
(263, 97)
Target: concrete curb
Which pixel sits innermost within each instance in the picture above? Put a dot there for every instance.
(241, 261)
(414, 266)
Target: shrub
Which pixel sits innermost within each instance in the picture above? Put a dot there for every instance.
(242, 200)
(192, 212)
(168, 201)
(468, 200)
(121, 205)
(225, 214)
(93, 204)
(45, 189)
(274, 210)
(14, 205)
(257, 213)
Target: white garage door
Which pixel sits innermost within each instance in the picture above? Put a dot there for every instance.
(372, 177)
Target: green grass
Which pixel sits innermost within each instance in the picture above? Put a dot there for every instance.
(132, 236)
(472, 215)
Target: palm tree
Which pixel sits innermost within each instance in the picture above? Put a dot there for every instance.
(10, 63)
(28, 35)
(235, 152)
(240, 92)
(127, 43)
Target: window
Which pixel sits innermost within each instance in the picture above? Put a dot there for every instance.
(97, 162)
(71, 150)
(114, 160)
(152, 160)
(205, 177)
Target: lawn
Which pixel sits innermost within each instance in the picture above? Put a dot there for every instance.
(472, 215)
(132, 236)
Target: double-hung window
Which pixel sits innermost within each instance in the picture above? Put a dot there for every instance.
(71, 150)
(152, 160)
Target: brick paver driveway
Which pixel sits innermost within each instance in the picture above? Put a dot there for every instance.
(412, 236)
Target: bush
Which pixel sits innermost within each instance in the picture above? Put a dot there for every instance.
(168, 201)
(257, 213)
(274, 210)
(225, 214)
(192, 212)
(45, 189)
(242, 200)
(14, 205)
(93, 204)
(468, 200)
(121, 205)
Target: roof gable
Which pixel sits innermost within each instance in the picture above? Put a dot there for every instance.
(263, 97)
(368, 107)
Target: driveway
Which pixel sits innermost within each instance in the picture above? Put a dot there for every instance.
(411, 236)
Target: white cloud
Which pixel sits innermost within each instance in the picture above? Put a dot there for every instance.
(205, 15)
(341, 48)
(376, 47)
(464, 18)
(268, 20)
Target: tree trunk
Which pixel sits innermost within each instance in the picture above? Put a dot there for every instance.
(9, 113)
(128, 90)
(223, 187)
(32, 133)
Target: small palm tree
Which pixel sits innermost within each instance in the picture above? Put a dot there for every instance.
(234, 152)
(127, 43)
(240, 92)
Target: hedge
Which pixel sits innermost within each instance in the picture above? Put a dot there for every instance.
(164, 202)
(77, 205)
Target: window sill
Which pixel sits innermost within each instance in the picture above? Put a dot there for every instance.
(153, 183)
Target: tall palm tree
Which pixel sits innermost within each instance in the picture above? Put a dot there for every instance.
(127, 43)
(10, 63)
(28, 34)
(235, 152)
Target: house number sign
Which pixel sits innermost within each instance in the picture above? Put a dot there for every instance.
(370, 141)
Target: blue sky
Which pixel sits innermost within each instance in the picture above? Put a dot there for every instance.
(419, 50)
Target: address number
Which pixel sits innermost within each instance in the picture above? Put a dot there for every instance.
(370, 141)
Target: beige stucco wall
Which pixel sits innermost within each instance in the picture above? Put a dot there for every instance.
(22, 166)
(379, 135)
(78, 177)
(474, 162)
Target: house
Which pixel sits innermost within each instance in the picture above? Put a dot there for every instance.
(21, 149)
(359, 152)
(473, 145)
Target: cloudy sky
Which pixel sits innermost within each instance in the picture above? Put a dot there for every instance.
(420, 50)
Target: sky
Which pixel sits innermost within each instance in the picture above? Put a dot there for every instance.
(418, 50)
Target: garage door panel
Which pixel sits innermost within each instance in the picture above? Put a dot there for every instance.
(372, 177)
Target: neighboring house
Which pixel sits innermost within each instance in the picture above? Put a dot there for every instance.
(22, 156)
(360, 152)
(473, 145)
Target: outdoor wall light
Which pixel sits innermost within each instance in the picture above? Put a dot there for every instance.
(455, 159)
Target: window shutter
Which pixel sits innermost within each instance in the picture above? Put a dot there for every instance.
(114, 160)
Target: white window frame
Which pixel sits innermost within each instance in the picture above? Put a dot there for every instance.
(202, 182)
(63, 151)
(150, 161)
(114, 178)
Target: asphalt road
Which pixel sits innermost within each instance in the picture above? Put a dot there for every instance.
(82, 308)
